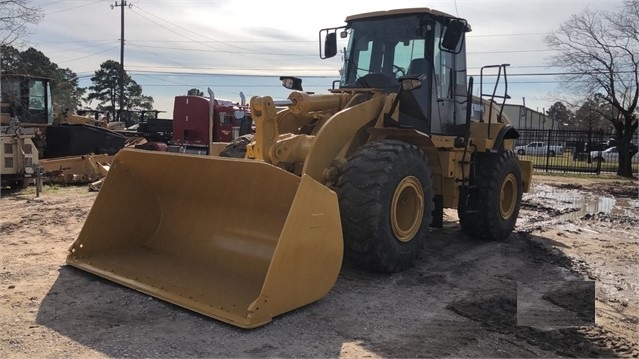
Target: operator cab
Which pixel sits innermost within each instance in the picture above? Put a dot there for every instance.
(419, 44)
(27, 98)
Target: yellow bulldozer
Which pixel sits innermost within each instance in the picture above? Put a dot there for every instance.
(360, 172)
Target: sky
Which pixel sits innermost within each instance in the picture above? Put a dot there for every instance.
(243, 46)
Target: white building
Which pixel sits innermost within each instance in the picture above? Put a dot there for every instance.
(526, 118)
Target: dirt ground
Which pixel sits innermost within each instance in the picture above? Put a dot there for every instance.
(564, 284)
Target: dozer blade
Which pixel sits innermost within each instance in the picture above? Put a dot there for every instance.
(237, 240)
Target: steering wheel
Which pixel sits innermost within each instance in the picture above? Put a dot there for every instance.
(35, 104)
(398, 70)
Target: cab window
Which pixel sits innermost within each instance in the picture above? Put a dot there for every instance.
(226, 119)
(36, 96)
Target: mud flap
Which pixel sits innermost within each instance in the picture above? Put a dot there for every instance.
(237, 240)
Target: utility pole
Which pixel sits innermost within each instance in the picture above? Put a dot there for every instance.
(122, 4)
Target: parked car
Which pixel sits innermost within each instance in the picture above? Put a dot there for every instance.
(600, 145)
(539, 148)
(610, 155)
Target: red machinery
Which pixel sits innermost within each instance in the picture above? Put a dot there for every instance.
(196, 123)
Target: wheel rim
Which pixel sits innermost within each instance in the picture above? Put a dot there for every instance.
(508, 196)
(407, 209)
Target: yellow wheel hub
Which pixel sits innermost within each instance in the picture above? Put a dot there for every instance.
(508, 196)
(407, 209)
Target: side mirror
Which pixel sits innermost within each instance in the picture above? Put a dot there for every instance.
(453, 34)
(292, 83)
(330, 45)
(239, 114)
(412, 82)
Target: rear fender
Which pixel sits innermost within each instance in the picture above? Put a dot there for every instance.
(508, 132)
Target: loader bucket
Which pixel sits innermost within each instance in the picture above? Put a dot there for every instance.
(237, 240)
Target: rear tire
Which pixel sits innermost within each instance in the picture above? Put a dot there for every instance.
(493, 203)
(386, 203)
(551, 153)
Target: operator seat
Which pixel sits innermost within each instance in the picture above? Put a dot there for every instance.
(417, 67)
(374, 80)
(412, 105)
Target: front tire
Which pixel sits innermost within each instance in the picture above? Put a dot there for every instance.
(386, 203)
(494, 200)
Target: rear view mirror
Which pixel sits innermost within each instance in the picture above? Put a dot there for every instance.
(454, 34)
(330, 45)
(412, 82)
(291, 83)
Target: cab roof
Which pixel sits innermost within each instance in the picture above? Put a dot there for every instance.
(416, 10)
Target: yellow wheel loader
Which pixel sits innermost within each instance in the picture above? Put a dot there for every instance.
(361, 171)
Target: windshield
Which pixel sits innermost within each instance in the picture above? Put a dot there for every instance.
(385, 46)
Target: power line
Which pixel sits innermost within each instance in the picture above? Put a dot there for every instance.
(182, 73)
(313, 54)
(217, 74)
(96, 53)
(503, 35)
(74, 49)
(185, 29)
(224, 51)
(238, 41)
(193, 40)
(314, 41)
(72, 8)
(72, 41)
(179, 64)
(564, 73)
(248, 52)
(507, 51)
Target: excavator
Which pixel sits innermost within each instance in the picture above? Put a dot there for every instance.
(66, 148)
(359, 173)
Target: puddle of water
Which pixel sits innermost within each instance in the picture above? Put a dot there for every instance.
(626, 207)
(587, 205)
(582, 205)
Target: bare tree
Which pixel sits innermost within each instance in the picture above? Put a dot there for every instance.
(600, 50)
(15, 17)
